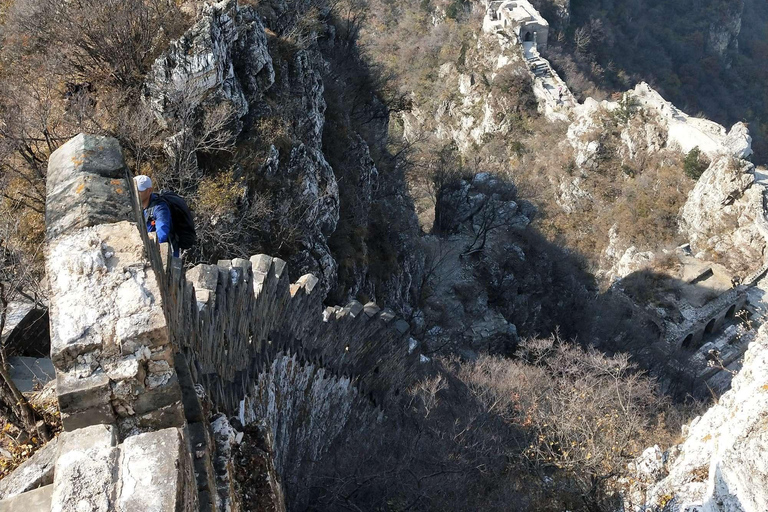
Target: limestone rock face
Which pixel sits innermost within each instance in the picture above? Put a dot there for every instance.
(686, 132)
(719, 215)
(218, 61)
(721, 464)
(659, 125)
(620, 260)
(481, 203)
(475, 112)
(318, 197)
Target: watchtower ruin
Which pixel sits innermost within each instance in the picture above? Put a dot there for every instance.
(518, 17)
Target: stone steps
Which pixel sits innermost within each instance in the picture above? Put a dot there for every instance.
(31, 501)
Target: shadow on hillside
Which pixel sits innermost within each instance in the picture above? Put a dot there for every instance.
(647, 314)
(544, 289)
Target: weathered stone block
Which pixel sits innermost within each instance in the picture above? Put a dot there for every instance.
(261, 263)
(156, 474)
(242, 263)
(80, 393)
(169, 416)
(84, 476)
(34, 472)
(36, 500)
(402, 326)
(159, 397)
(371, 309)
(204, 277)
(103, 297)
(86, 185)
(100, 415)
(279, 266)
(354, 308)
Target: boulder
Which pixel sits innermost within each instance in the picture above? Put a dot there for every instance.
(719, 215)
(32, 473)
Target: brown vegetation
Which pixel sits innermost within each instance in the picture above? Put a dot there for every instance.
(550, 430)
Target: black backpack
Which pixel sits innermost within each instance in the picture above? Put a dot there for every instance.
(183, 223)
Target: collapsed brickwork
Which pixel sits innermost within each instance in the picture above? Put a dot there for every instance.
(155, 363)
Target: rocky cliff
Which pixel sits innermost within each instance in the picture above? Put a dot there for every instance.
(720, 465)
(270, 84)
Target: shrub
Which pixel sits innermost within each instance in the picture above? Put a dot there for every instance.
(695, 164)
(582, 412)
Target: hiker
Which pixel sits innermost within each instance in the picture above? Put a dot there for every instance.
(167, 215)
(560, 94)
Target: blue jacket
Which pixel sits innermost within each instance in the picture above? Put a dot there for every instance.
(158, 218)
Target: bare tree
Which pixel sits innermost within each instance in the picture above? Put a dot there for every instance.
(111, 40)
(16, 278)
(194, 129)
(582, 39)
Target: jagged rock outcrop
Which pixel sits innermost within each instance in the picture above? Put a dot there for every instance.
(719, 215)
(222, 60)
(622, 261)
(490, 276)
(652, 123)
(479, 205)
(272, 82)
(720, 466)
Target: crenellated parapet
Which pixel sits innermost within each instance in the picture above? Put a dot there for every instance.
(156, 363)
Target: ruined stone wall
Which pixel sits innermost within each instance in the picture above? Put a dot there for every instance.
(157, 366)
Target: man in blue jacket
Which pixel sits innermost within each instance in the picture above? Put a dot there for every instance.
(156, 212)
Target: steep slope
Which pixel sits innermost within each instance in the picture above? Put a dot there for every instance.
(721, 464)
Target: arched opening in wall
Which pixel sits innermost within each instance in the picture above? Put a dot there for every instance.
(710, 327)
(528, 37)
(731, 312)
(687, 341)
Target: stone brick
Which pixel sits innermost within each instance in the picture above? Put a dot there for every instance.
(32, 473)
(162, 396)
(84, 472)
(99, 415)
(371, 309)
(77, 394)
(86, 185)
(31, 501)
(102, 296)
(156, 474)
(402, 326)
(169, 416)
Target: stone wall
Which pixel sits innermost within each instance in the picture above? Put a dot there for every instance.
(158, 366)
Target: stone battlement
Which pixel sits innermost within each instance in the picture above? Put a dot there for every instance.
(153, 360)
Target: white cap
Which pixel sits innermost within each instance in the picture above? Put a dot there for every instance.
(142, 182)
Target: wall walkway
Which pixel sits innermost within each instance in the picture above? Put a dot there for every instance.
(156, 364)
